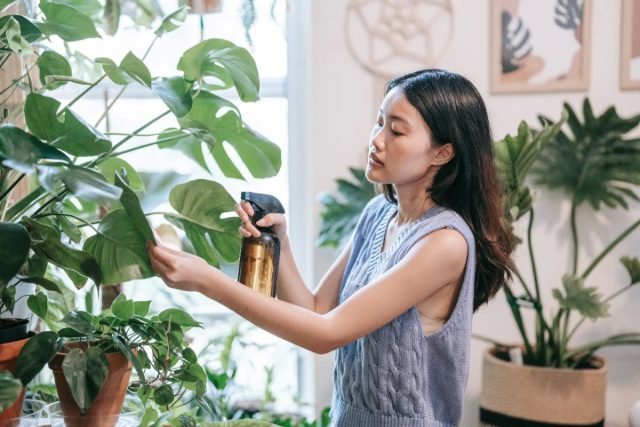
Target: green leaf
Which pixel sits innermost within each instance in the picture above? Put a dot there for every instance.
(583, 299)
(340, 214)
(38, 304)
(225, 61)
(68, 132)
(122, 308)
(80, 321)
(172, 21)
(131, 204)
(91, 8)
(141, 308)
(15, 40)
(632, 265)
(120, 249)
(163, 395)
(111, 16)
(261, 156)
(176, 93)
(46, 243)
(124, 348)
(179, 317)
(201, 204)
(14, 255)
(74, 367)
(131, 69)
(35, 354)
(67, 22)
(595, 162)
(97, 371)
(43, 282)
(190, 355)
(110, 165)
(10, 388)
(28, 30)
(136, 69)
(84, 183)
(52, 63)
(21, 151)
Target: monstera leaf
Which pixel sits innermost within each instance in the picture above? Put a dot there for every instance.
(593, 163)
(200, 205)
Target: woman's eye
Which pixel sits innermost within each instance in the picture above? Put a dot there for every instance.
(395, 132)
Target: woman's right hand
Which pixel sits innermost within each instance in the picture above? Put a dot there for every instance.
(275, 220)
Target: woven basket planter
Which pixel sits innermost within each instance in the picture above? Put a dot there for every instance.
(529, 396)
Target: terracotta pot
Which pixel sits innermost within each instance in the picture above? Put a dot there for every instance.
(517, 395)
(105, 409)
(8, 354)
(204, 6)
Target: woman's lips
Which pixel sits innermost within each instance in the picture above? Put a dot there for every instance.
(374, 160)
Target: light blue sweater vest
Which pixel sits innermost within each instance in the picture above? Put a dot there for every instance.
(397, 376)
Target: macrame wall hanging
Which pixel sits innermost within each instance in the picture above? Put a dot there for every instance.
(389, 38)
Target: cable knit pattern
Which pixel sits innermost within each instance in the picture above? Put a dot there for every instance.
(397, 376)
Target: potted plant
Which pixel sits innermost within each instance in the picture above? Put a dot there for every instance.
(92, 369)
(81, 221)
(547, 379)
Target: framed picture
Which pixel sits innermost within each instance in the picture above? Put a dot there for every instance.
(540, 45)
(630, 45)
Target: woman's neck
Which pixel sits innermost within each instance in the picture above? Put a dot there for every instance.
(412, 203)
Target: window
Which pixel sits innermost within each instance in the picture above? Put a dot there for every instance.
(269, 116)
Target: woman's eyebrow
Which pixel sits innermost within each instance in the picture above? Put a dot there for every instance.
(396, 117)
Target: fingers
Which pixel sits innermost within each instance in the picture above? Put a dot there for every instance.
(244, 211)
(161, 254)
(271, 220)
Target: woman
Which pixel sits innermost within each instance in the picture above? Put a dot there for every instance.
(397, 303)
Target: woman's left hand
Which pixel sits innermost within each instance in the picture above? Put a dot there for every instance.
(178, 269)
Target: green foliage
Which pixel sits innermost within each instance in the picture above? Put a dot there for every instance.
(340, 214)
(10, 389)
(592, 162)
(84, 221)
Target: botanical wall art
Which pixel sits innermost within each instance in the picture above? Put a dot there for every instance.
(540, 45)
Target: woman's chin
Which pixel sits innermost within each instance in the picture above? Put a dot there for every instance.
(373, 175)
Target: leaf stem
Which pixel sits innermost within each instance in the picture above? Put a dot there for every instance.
(574, 236)
(12, 186)
(609, 248)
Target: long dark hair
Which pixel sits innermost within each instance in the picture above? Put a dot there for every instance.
(468, 184)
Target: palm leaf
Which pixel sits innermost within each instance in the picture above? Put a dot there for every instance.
(592, 161)
(339, 218)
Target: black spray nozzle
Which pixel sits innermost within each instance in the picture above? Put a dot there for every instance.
(262, 204)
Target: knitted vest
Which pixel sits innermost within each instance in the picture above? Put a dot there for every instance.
(397, 376)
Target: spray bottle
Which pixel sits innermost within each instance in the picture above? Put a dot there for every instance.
(260, 256)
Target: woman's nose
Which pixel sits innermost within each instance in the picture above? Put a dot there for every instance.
(376, 143)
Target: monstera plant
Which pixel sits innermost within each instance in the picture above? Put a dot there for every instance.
(81, 220)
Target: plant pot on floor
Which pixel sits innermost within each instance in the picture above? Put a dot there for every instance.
(9, 352)
(105, 409)
(527, 396)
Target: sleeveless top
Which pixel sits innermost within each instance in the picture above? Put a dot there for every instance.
(397, 376)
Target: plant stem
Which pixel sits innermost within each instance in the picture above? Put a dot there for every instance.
(518, 318)
(610, 247)
(609, 298)
(489, 340)
(15, 82)
(113, 101)
(53, 199)
(83, 93)
(12, 186)
(125, 139)
(85, 222)
(574, 235)
(159, 141)
(5, 59)
(531, 255)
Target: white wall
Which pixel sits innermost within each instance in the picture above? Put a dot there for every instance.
(341, 109)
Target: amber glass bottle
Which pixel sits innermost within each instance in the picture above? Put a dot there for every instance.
(260, 256)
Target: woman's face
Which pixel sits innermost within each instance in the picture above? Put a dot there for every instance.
(401, 148)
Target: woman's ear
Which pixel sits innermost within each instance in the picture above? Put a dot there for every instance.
(444, 153)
